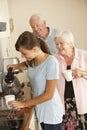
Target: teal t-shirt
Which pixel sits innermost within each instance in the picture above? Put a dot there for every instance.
(50, 40)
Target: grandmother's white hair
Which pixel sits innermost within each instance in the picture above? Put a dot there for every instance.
(37, 16)
(66, 36)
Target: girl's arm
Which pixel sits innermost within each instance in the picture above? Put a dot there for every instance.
(22, 66)
(47, 95)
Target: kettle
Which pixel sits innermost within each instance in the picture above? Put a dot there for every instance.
(11, 84)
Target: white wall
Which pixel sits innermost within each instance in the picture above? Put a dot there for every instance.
(62, 14)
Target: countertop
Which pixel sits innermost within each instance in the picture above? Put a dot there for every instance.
(23, 114)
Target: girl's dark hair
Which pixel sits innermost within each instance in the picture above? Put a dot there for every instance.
(28, 40)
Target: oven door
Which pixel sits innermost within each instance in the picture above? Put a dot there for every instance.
(10, 124)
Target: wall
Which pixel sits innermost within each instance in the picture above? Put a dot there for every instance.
(62, 14)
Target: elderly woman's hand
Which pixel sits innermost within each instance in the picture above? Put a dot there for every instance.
(77, 73)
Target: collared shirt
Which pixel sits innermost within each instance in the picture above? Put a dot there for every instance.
(79, 84)
(50, 111)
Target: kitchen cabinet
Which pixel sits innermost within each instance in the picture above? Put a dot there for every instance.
(4, 19)
(34, 125)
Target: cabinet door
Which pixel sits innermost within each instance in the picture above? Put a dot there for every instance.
(4, 19)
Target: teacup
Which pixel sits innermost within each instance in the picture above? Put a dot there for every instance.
(68, 75)
(9, 98)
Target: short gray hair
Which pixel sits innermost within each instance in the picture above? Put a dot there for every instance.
(37, 16)
(66, 36)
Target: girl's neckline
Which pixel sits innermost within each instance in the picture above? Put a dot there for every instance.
(41, 62)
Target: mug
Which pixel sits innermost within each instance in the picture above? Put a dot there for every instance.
(9, 98)
(68, 75)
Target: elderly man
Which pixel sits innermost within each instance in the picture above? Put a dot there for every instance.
(39, 27)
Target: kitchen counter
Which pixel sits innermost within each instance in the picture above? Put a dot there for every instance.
(22, 118)
(6, 122)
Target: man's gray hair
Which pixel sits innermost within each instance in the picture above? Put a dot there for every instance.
(37, 16)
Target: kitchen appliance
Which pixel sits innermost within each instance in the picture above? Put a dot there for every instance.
(8, 61)
(10, 82)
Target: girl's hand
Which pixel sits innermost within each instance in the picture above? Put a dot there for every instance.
(13, 66)
(17, 104)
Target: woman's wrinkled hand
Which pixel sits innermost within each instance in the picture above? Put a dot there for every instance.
(76, 73)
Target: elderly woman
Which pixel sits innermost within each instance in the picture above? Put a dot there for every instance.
(74, 92)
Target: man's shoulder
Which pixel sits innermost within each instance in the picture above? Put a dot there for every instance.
(52, 32)
(56, 30)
